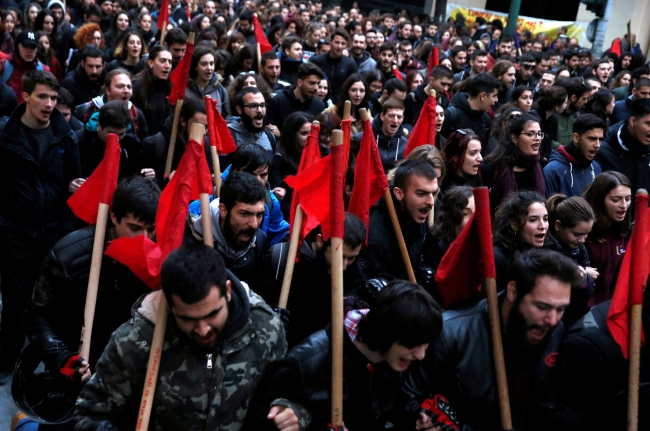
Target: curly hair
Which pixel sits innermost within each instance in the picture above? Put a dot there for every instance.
(84, 35)
(238, 83)
(450, 213)
(513, 210)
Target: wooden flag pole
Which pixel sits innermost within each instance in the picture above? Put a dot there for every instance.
(216, 167)
(177, 117)
(347, 109)
(204, 198)
(93, 280)
(337, 316)
(497, 353)
(296, 227)
(259, 59)
(400, 237)
(431, 217)
(636, 311)
(153, 366)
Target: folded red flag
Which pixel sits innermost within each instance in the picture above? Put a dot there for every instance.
(141, 255)
(424, 131)
(337, 183)
(434, 59)
(370, 182)
(464, 267)
(163, 17)
(631, 278)
(101, 184)
(203, 181)
(218, 130)
(260, 37)
(346, 127)
(180, 75)
(616, 46)
(397, 73)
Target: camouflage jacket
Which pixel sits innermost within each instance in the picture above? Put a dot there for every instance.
(198, 389)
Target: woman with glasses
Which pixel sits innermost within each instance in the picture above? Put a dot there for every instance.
(205, 81)
(514, 165)
(551, 101)
(151, 88)
(462, 155)
(287, 157)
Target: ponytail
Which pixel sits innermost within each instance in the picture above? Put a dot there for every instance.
(568, 210)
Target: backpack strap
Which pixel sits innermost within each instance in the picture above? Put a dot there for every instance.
(7, 70)
(134, 117)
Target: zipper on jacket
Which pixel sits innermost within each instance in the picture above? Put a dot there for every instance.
(209, 355)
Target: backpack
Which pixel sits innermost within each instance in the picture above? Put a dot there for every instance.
(8, 69)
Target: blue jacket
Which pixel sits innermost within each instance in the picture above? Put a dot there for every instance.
(563, 174)
(621, 110)
(273, 225)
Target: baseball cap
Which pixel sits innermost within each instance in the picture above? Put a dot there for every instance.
(27, 38)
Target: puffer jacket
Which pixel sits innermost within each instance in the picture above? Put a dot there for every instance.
(460, 115)
(565, 174)
(197, 388)
(391, 148)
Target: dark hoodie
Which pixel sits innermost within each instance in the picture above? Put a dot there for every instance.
(568, 172)
(391, 148)
(460, 115)
(289, 69)
(80, 85)
(414, 103)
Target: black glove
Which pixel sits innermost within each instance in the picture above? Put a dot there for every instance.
(284, 315)
(55, 354)
(441, 413)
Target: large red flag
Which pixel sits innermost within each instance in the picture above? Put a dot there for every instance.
(434, 59)
(370, 181)
(179, 76)
(346, 127)
(141, 255)
(260, 37)
(424, 131)
(218, 130)
(163, 17)
(631, 278)
(101, 184)
(203, 182)
(464, 267)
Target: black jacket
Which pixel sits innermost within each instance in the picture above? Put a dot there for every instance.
(286, 103)
(156, 108)
(336, 71)
(304, 377)
(391, 148)
(55, 315)
(289, 69)
(459, 366)
(625, 155)
(80, 85)
(415, 101)
(92, 149)
(549, 127)
(33, 198)
(459, 115)
(591, 378)
(8, 100)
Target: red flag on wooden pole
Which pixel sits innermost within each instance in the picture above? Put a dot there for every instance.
(424, 131)
(260, 37)
(434, 59)
(180, 75)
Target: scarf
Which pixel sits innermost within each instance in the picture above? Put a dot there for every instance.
(506, 182)
(351, 322)
(571, 153)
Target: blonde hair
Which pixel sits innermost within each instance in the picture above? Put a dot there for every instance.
(428, 153)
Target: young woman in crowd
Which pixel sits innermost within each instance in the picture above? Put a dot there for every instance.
(287, 157)
(522, 98)
(328, 123)
(144, 23)
(440, 119)
(248, 80)
(129, 49)
(8, 25)
(151, 88)
(462, 154)
(520, 223)
(357, 92)
(242, 62)
(610, 196)
(31, 12)
(121, 23)
(601, 104)
(413, 80)
(551, 101)
(375, 79)
(514, 165)
(204, 81)
(46, 55)
(621, 80)
(570, 220)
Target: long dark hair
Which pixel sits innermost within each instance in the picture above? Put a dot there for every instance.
(146, 79)
(199, 52)
(513, 210)
(45, 56)
(598, 103)
(551, 97)
(289, 147)
(456, 148)
(568, 210)
(450, 213)
(595, 194)
(343, 95)
(506, 151)
(121, 51)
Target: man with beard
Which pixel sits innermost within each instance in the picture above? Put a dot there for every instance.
(525, 73)
(85, 82)
(458, 57)
(364, 61)
(301, 98)
(389, 134)
(405, 60)
(21, 62)
(387, 59)
(237, 217)
(459, 364)
(271, 70)
(416, 185)
(336, 66)
(249, 128)
(503, 49)
(440, 80)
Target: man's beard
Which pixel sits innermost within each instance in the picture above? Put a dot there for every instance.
(517, 335)
(248, 124)
(232, 237)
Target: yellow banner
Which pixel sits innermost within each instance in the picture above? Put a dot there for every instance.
(534, 25)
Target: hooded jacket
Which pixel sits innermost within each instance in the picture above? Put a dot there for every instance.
(391, 148)
(286, 103)
(138, 124)
(242, 136)
(621, 110)
(214, 385)
(365, 63)
(33, 195)
(565, 174)
(619, 151)
(564, 127)
(80, 85)
(460, 115)
(214, 89)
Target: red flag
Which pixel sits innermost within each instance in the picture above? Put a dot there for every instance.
(260, 37)
(464, 267)
(397, 73)
(218, 130)
(370, 181)
(337, 183)
(434, 59)
(179, 76)
(346, 127)
(424, 131)
(141, 255)
(203, 182)
(101, 184)
(616, 46)
(631, 278)
(163, 17)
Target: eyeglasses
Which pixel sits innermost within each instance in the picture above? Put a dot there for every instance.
(256, 107)
(533, 135)
(464, 131)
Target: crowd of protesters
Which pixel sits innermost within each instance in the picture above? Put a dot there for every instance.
(560, 138)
